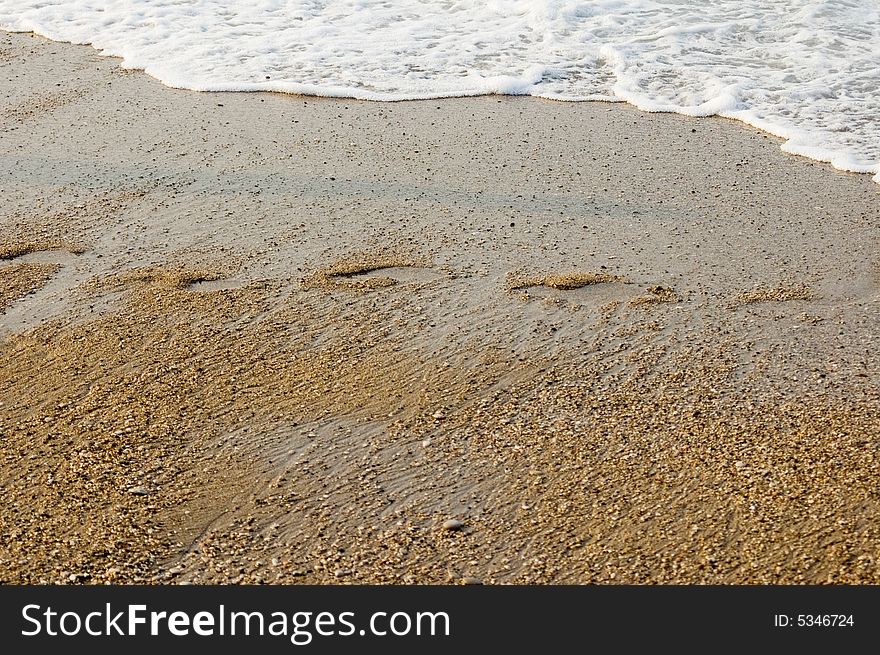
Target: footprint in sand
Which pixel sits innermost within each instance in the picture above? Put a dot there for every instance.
(782, 293)
(170, 279)
(654, 295)
(602, 290)
(563, 281)
(582, 289)
(30, 267)
(369, 272)
(11, 250)
(20, 280)
(219, 284)
(173, 287)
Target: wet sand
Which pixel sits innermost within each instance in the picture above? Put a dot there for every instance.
(260, 338)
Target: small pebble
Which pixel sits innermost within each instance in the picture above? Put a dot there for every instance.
(453, 524)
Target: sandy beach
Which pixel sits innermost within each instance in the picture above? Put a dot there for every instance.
(260, 338)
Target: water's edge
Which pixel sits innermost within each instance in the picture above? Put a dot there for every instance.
(507, 86)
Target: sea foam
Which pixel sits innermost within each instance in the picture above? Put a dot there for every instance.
(804, 70)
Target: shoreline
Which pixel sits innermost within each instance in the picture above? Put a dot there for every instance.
(771, 131)
(284, 339)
